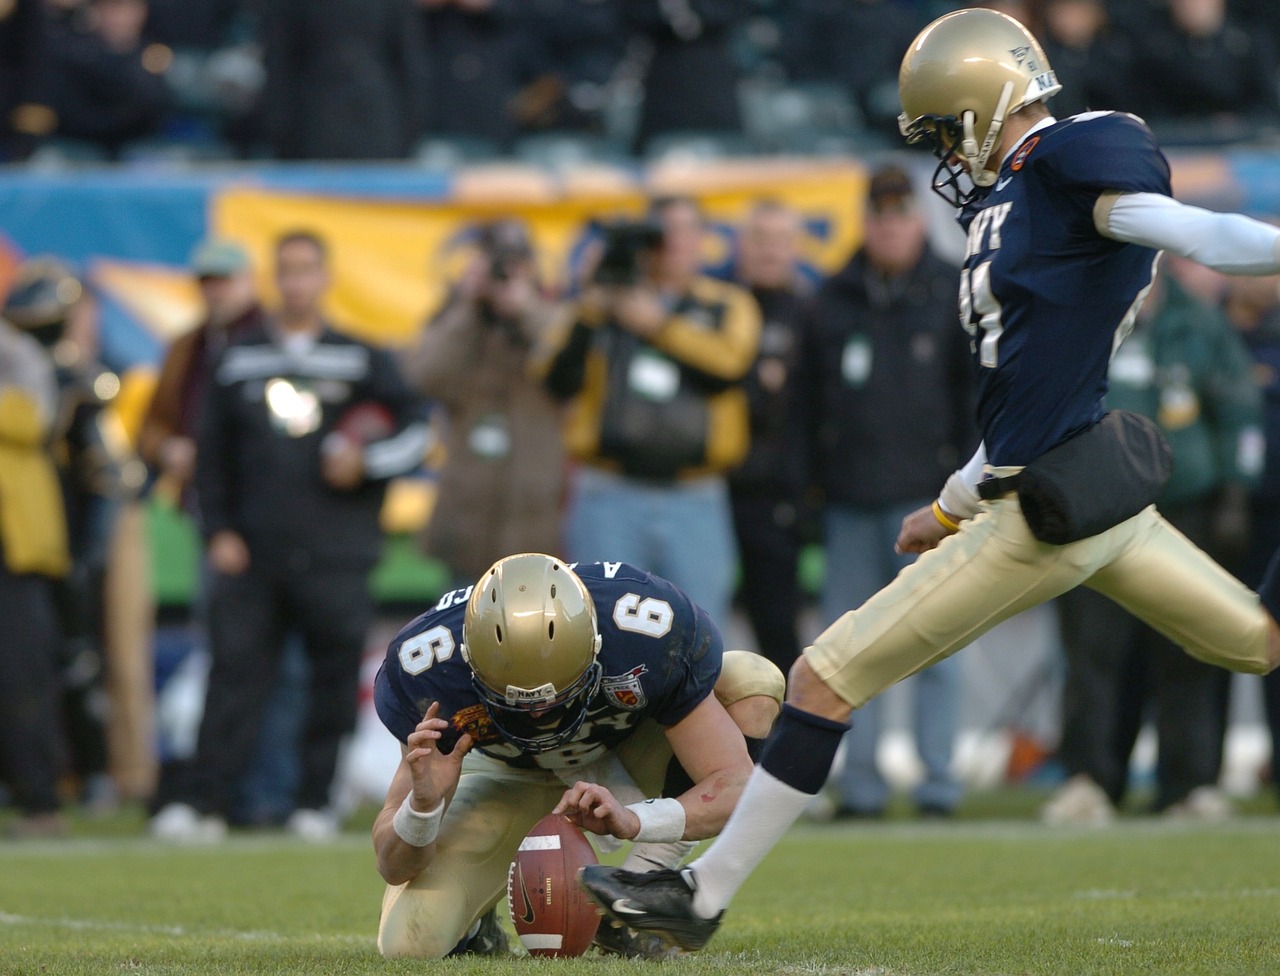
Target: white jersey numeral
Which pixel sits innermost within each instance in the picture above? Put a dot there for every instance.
(423, 650)
(977, 299)
(648, 616)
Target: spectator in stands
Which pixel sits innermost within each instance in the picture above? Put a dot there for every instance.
(1254, 14)
(503, 478)
(218, 75)
(856, 43)
(574, 48)
(651, 359)
(690, 82)
(300, 430)
(194, 24)
(345, 78)
(1253, 307)
(893, 388)
(476, 66)
(768, 490)
(105, 86)
(1090, 58)
(33, 550)
(1193, 64)
(1186, 369)
(25, 114)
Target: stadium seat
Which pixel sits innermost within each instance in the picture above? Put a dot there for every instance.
(696, 145)
(779, 116)
(450, 152)
(562, 150)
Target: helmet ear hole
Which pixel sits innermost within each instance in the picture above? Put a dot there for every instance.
(551, 630)
(498, 633)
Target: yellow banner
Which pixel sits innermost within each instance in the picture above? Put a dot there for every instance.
(392, 261)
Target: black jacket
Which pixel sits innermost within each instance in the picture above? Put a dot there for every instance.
(345, 78)
(891, 378)
(776, 465)
(258, 472)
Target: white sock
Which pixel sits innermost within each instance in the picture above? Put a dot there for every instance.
(651, 857)
(765, 811)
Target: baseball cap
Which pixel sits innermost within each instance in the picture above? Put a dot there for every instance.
(218, 259)
(890, 187)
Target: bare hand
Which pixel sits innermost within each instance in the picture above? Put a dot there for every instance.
(435, 775)
(342, 463)
(594, 808)
(228, 553)
(921, 531)
(639, 310)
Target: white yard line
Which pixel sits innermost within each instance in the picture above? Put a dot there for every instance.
(176, 931)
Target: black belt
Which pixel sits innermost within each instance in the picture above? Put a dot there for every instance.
(995, 487)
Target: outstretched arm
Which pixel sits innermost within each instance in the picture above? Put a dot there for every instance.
(1228, 242)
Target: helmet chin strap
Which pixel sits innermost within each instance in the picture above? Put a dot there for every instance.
(977, 157)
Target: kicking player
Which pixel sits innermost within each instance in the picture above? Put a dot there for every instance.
(540, 677)
(1065, 221)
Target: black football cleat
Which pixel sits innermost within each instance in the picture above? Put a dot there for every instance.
(489, 940)
(660, 902)
(615, 939)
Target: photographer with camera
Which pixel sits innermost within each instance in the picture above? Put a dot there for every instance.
(652, 361)
(500, 489)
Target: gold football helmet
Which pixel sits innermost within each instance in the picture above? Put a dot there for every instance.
(530, 637)
(960, 79)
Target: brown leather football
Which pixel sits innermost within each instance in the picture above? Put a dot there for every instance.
(551, 914)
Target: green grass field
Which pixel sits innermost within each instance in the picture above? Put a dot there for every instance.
(993, 893)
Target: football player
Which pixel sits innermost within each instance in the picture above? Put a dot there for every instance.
(1065, 219)
(552, 688)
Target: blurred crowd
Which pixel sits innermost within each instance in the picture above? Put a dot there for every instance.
(708, 424)
(448, 81)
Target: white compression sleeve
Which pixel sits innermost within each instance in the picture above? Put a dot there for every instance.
(959, 496)
(1228, 242)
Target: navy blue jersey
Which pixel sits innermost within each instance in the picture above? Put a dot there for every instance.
(660, 654)
(1045, 296)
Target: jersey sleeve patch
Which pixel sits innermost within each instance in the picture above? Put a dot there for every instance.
(626, 691)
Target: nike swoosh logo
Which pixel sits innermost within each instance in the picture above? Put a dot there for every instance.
(527, 917)
(1001, 184)
(623, 907)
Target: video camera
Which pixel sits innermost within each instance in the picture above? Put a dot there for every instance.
(624, 242)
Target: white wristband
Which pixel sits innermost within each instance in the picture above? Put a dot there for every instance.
(414, 828)
(661, 820)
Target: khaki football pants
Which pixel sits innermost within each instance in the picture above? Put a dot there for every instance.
(994, 568)
(496, 805)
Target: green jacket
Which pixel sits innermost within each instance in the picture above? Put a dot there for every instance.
(1186, 368)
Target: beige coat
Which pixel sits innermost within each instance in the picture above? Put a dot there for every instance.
(502, 483)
